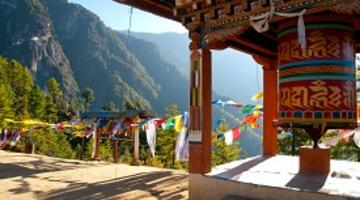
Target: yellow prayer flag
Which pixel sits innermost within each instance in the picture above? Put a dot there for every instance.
(178, 123)
(257, 96)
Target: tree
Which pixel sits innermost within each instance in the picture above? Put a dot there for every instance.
(51, 114)
(166, 142)
(74, 106)
(5, 103)
(134, 105)
(88, 95)
(111, 106)
(37, 103)
(21, 83)
(346, 150)
(222, 153)
(173, 110)
(291, 143)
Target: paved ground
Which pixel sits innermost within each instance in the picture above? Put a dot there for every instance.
(258, 178)
(24, 176)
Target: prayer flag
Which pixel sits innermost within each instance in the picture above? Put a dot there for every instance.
(236, 133)
(151, 136)
(257, 96)
(219, 102)
(233, 103)
(178, 123)
(229, 137)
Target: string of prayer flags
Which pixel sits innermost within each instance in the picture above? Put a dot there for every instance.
(257, 96)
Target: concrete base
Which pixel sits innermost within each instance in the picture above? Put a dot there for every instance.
(314, 161)
(276, 178)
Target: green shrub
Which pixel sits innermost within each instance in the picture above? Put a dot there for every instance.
(51, 144)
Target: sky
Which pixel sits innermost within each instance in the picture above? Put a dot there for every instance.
(113, 15)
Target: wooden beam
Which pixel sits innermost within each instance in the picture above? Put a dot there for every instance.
(95, 153)
(246, 49)
(219, 45)
(254, 46)
(116, 151)
(155, 7)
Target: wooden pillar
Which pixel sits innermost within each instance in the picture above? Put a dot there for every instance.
(96, 137)
(270, 110)
(135, 160)
(200, 111)
(116, 151)
(270, 105)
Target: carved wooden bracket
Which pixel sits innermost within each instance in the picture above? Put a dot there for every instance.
(266, 63)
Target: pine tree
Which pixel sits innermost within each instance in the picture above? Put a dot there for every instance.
(88, 95)
(21, 82)
(56, 108)
(6, 94)
(166, 141)
(222, 153)
(5, 103)
(74, 106)
(50, 110)
(37, 103)
(111, 106)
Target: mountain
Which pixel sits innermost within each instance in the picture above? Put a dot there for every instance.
(235, 74)
(58, 39)
(27, 34)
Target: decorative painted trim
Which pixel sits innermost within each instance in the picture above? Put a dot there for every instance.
(344, 63)
(318, 27)
(304, 77)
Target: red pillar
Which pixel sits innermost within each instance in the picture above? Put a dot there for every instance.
(270, 109)
(200, 111)
(270, 105)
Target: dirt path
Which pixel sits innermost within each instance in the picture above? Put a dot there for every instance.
(24, 176)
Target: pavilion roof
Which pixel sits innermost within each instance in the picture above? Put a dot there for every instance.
(227, 22)
(163, 8)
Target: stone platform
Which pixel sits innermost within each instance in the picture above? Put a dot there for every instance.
(276, 178)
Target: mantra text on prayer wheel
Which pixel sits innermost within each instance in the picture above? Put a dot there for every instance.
(317, 85)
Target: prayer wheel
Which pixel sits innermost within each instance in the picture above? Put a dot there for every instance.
(317, 86)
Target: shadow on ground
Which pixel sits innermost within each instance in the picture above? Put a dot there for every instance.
(38, 165)
(150, 184)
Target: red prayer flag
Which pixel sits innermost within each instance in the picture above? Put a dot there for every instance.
(236, 133)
